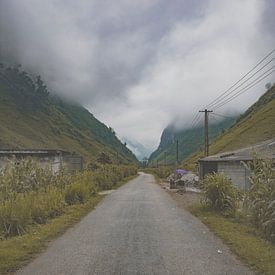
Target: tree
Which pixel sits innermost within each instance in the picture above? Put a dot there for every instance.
(41, 88)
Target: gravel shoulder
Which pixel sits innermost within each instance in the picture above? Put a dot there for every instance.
(182, 199)
(137, 229)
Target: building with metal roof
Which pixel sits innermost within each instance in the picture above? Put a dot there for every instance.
(52, 158)
(231, 163)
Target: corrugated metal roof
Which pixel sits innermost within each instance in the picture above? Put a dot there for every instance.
(264, 149)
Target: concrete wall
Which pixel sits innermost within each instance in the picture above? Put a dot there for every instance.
(236, 172)
(73, 162)
(53, 161)
(207, 168)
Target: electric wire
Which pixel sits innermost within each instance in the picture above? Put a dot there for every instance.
(229, 94)
(220, 115)
(243, 90)
(239, 86)
(243, 77)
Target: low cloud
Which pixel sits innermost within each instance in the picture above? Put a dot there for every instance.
(139, 65)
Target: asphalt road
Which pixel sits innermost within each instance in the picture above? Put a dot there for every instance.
(137, 229)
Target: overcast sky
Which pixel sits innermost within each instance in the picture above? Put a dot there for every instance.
(139, 65)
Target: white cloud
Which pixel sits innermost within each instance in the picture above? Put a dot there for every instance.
(193, 64)
(139, 65)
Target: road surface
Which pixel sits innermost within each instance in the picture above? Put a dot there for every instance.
(137, 229)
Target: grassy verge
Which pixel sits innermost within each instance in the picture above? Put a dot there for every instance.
(243, 240)
(17, 251)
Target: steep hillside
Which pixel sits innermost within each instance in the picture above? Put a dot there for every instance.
(31, 118)
(255, 125)
(190, 140)
(138, 149)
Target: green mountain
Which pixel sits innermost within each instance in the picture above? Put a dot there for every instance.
(189, 141)
(138, 149)
(255, 125)
(32, 118)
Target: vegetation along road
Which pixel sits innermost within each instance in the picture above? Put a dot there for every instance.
(137, 229)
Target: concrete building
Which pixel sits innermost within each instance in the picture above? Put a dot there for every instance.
(52, 158)
(231, 163)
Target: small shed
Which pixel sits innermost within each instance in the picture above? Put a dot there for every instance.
(53, 158)
(231, 163)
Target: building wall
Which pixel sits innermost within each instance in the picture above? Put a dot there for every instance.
(3, 162)
(207, 168)
(236, 172)
(73, 162)
(52, 161)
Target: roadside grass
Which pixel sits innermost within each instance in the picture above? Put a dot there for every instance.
(17, 251)
(244, 240)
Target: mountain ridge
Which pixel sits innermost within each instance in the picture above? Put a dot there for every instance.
(255, 125)
(31, 117)
(189, 141)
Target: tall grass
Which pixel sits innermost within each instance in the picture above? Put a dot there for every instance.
(260, 199)
(31, 195)
(220, 194)
(255, 206)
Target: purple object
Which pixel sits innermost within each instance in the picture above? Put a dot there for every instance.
(180, 171)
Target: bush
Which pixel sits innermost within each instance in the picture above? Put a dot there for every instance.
(76, 193)
(15, 216)
(220, 194)
(45, 205)
(30, 194)
(260, 199)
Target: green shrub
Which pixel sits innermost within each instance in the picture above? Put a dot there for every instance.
(15, 216)
(76, 193)
(220, 194)
(260, 198)
(45, 205)
(30, 194)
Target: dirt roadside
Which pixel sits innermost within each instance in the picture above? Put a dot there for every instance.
(182, 199)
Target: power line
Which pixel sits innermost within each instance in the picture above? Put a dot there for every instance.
(221, 115)
(243, 77)
(225, 96)
(196, 121)
(228, 95)
(243, 90)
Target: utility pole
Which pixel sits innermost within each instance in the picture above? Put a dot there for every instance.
(177, 149)
(206, 139)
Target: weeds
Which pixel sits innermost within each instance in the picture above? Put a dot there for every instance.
(220, 194)
(255, 206)
(30, 194)
(260, 199)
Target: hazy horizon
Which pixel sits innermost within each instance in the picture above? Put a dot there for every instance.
(140, 65)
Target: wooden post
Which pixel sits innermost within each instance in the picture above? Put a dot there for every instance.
(177, 152)
(206, 136)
